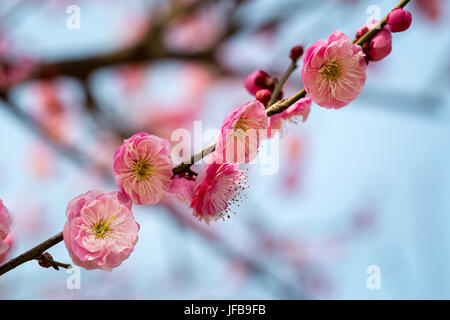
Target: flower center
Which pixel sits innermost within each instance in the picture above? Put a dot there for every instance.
(142, 169)
(241, 125)
(331, 70)
(101, 229)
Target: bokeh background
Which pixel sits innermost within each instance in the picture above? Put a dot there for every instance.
(365, 185)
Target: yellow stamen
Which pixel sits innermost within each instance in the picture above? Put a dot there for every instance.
(331, 70)
(142, 169)
(101, 229)
(241, 125)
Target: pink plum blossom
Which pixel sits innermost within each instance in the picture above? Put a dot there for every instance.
(217, 187)
(334, 71)
(5, 222)
(240, 134)
(399, 20)
(182, 189)
(100, 231)
(142, 168)
(301, 108)
(380, 46)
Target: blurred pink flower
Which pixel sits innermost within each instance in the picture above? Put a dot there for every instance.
(334, 71)
(197, 78)
(299, 109)
(217, 187)
(15, 71)
(5, 223)
(182, 189)
(9, 241)
(399, 20)
(430, 8)
(183, 33)
(142, 168)
(164, 119)
(293, 165)
(133, 28)
(100, 231)
(380, 46)
(41, 160)
(102, 150)
(51, 113)
(240, 134)
(132, 77)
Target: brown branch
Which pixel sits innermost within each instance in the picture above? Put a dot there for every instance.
(31, 254)
(279, 86)
(150, 47)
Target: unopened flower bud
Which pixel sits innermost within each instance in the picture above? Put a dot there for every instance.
(380, 46)
(263, 96)
(45, 259)
(296, 53)
(399, 20)
(258, 80)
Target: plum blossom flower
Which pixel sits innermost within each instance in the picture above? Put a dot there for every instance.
(100, 231)
(217, 187)
(240, 134)
(301, 108)
(399, 20)
(5, 222)
(334, 71)
(380, 46)
(182, 189)
(142, 168)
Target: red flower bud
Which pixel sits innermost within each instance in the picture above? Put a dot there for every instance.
(44, 260)
(399, 20)
(296, 53)
(258, 80)
(263, 96)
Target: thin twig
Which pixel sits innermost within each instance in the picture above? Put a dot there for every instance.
(31, 254)
(280, 84)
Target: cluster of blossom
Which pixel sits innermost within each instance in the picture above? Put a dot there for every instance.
(100, 231)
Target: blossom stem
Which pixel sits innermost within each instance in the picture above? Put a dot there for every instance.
(32, 254)
(282, 81)
(185, 166)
